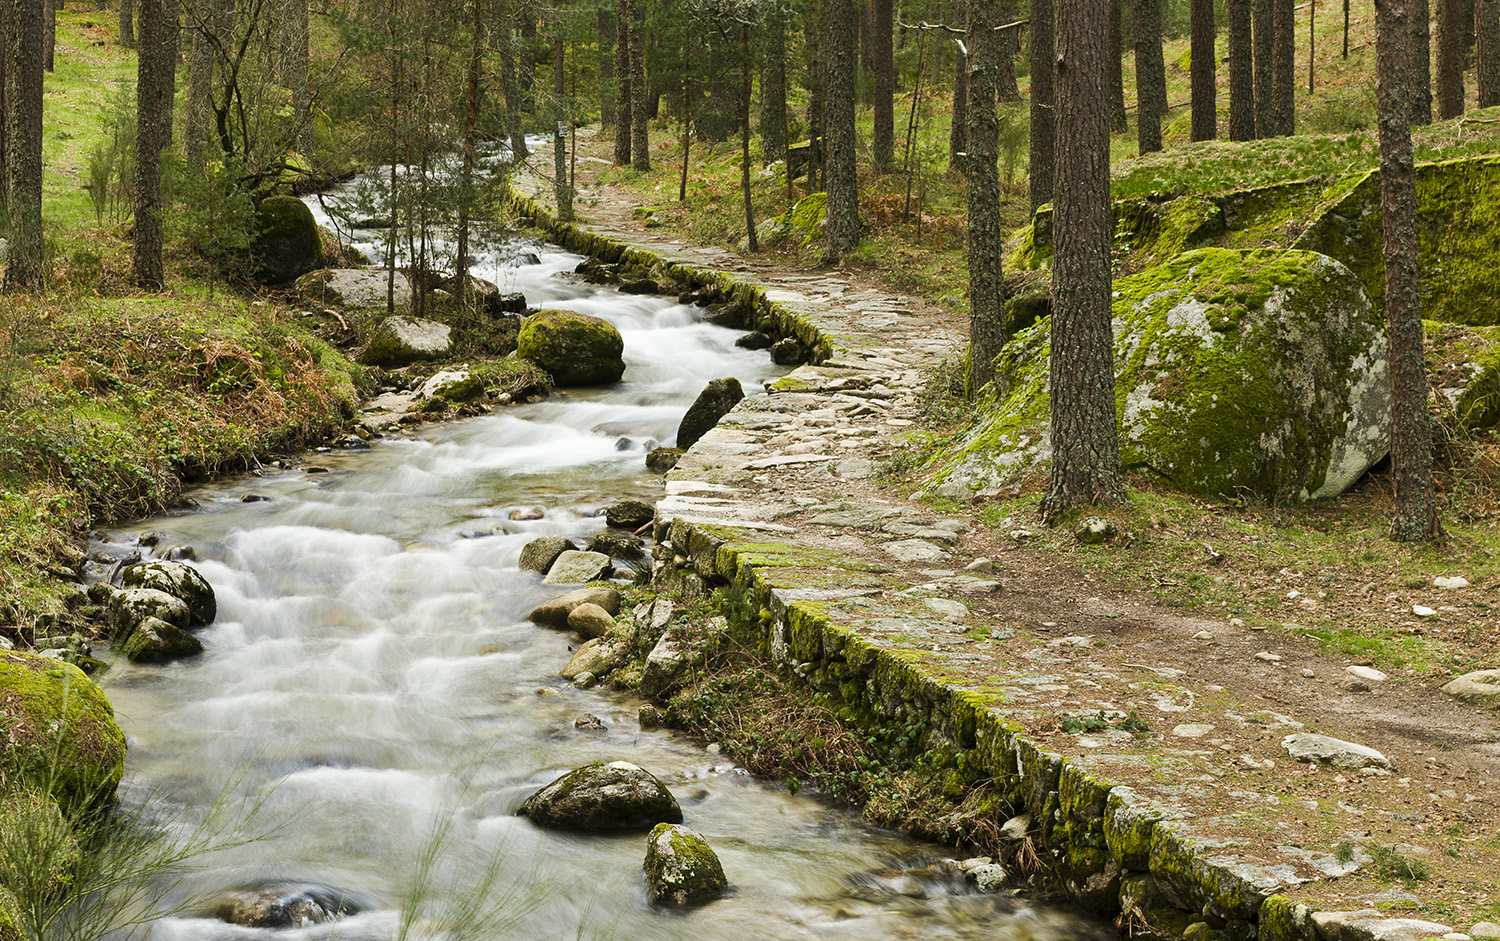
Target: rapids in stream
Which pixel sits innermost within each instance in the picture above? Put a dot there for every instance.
(373, 687)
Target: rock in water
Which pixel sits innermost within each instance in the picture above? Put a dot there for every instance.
(130, 606)
(681, 868)
(712, 404)
(555, 612)
(156, 641)
(576, 349)
(590, 620)
(575, 567)
(287, 243)
(661, 460)
(61, 732)
(600, 797)
(400, 341)
(280, 906)
(178, 580)
(629, 514)
(539, 554)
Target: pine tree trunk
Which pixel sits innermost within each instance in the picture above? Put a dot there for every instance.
(604, 28)
(1415, 515)
(773, 92)
(1283, 68)
(817, 93)
(958, 127)
(623, 101)
(127, 23)
(640, 142)
(26, 268)
(1043, 116)
(171, 12)
(1487, 30)
(842, 186)
(1205, 68)
(987, 324)
(1265, 120)
(1419, 14)
(1150, 76)
(1452, 55)
(296, 79)
(152, 88)
(7, 74)
(526, 58)
(49, 33)
(1118, 120)
(466, 173)
(511, 89)
(883, 139)
(198, 127)
(1241, 71)
(745, 67)
(1084, 428)
(1006, 88)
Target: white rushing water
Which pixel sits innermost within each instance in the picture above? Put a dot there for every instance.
(372, 680)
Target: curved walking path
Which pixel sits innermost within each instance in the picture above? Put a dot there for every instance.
(1150, 748)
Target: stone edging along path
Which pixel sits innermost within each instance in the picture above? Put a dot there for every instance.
(1122, 831)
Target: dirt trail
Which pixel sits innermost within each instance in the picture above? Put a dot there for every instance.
(1059, 644)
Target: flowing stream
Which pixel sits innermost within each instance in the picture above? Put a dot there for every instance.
(373, 684)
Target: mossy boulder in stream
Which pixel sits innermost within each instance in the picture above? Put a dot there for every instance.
(178, 580)
(1259, 371)
(576, 349)
(603, 797)
(681, 868)
(62, 736)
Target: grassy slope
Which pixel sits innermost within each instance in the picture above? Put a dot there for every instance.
(1324, 569)
(110, 399)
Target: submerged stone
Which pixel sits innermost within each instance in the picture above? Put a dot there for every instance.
(603, 797)
(681, 868)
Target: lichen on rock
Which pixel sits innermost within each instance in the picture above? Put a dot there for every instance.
(681, 868)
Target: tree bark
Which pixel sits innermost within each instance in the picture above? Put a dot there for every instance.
(842, 185)
(958, 128)
(26, 268)
(8, 55)
(171, 12)
(817, 93)
(623, 101)
(773, 91)
(604, 28)
(745, 66)
(1043, 115)
(296, 80)
(1265, 120)
(1487, 30)
(198, 128)
(526, 57)
(127, 23)
(1205, 117)
(640, 141)
(1118, 121)
(471, 127)
(510, 88)
(1084, 428)
(154, 78)
(1150, 76)
(1241, 71)
(49, 33)
(1283, 68)
(1419, 16)
(1006, 88)
(1452, 56)
(883, 138)
(987, 323)
(1415, 515)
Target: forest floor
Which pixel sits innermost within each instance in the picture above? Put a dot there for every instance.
(1222, 626)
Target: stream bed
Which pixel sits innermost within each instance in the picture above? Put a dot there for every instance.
(373, 686)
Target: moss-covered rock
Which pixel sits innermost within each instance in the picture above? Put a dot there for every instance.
(156, 641)
(603, 797)
(681, 868)
(1463, 367)
(576, 349)
(400, 341)
(355, 287)
(287, 243)
(1259, 371)
(128, 607)
(712, 404)
(179, 580)
(62, 736)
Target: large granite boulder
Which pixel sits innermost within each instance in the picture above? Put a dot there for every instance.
(603, 797)
(287, 243)
(400, 341)
(128, 607)
(1259, 371)
(61, 733)
(178, 580)
(355, 287)
(712, 404)
(156, 641)
(576, 349)
(681, 868)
